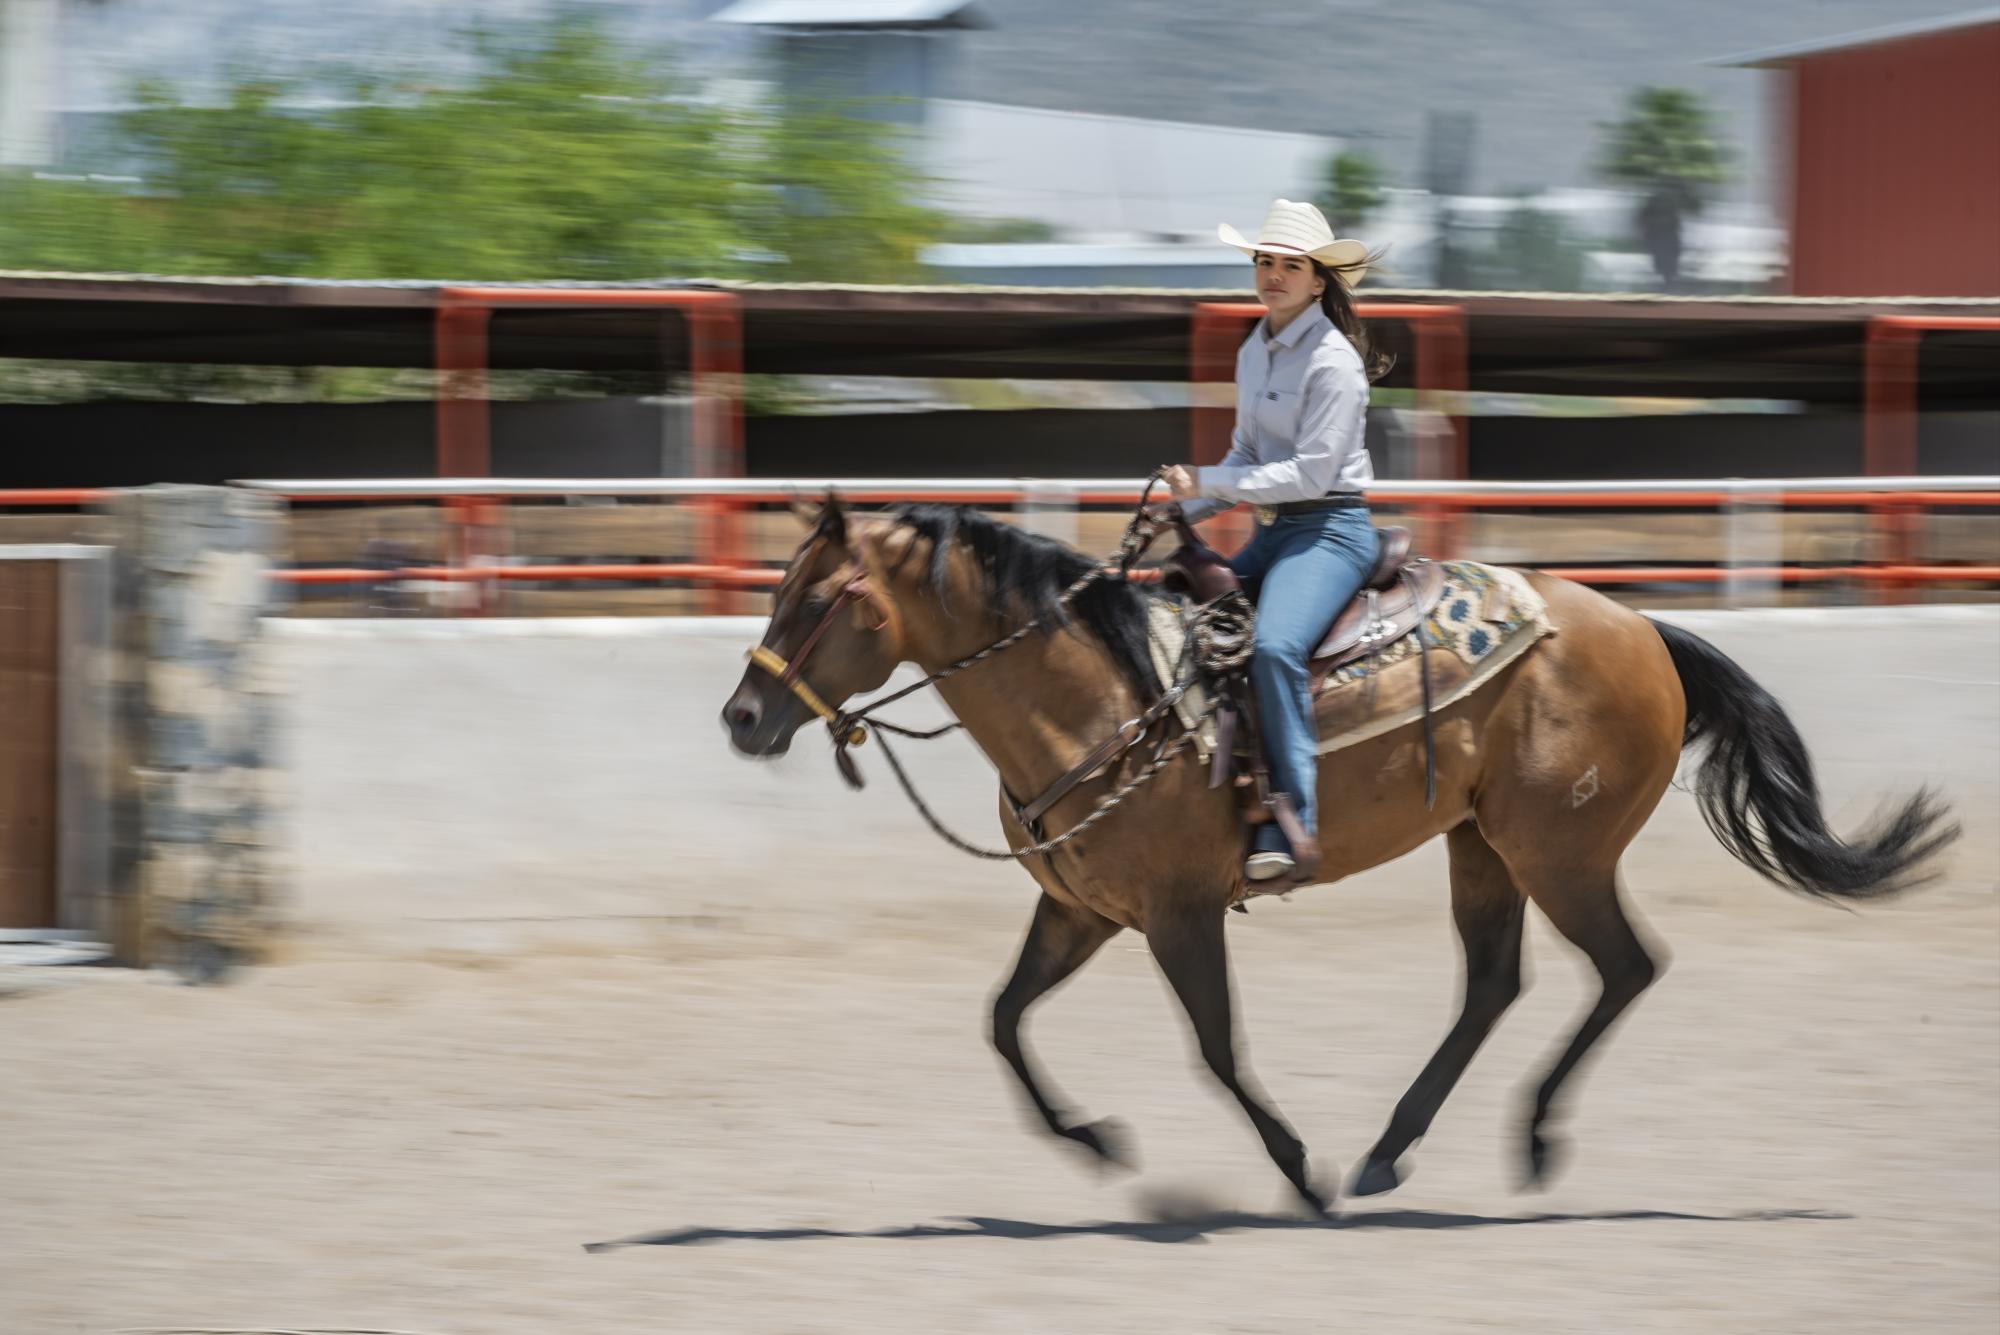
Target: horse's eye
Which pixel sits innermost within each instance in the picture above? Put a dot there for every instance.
(813, 607)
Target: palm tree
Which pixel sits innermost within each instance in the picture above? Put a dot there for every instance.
(1664, 148)
(1351, 191)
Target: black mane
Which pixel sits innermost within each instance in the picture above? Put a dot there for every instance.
(1027, 573)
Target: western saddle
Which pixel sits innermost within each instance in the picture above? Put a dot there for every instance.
(1399, 593)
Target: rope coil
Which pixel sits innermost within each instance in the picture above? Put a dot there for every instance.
(1223, 634)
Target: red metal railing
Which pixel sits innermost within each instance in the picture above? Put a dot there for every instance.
(721, 568)
(693, 573)
(1889, 440)
(56, 497)
(464, 425)
(714, 570)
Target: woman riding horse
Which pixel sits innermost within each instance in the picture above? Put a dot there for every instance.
(1544, 775)
(1297, 453)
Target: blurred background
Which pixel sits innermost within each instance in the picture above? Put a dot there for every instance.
(399, 403)
(977, 241)
(1542, 149)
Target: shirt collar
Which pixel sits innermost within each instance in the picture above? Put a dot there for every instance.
(1309, 320)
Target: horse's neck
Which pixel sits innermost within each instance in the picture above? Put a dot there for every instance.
(1037, 707)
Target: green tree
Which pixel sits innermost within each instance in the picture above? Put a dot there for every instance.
(1352, 191)
(830, 197)
(1665, 148)
(560, 159)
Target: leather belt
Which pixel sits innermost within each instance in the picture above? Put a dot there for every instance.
(1340, 500)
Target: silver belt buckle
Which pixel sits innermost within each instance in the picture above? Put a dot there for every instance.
(1266, 516)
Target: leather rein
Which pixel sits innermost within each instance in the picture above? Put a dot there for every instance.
(851, 728)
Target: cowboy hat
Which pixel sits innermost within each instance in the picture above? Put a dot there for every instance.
(1300, 229)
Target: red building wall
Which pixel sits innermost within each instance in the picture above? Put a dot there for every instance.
(1896, 168)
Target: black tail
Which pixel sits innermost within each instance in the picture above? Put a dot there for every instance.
(1758, 794)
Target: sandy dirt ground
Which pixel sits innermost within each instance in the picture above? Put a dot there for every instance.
(771, 1091)
(1797, 1130)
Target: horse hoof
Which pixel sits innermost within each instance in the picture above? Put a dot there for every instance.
(1376, 1177)
(1110, 1140)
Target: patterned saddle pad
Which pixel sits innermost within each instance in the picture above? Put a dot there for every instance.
(1487, 617)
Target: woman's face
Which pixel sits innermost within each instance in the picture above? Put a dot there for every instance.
(1286, 284)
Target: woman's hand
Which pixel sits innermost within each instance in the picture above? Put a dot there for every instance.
(1181, 482)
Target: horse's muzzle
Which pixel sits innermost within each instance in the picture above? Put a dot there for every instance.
(755, 726)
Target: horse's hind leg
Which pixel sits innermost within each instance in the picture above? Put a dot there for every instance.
(1586, 909)
(1187, 941)
(1060, 939)
(1487, 907)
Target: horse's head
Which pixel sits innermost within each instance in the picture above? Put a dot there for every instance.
(833, 635)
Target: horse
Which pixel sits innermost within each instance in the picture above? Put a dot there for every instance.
(1612, 692)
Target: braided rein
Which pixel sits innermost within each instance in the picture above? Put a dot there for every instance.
(1111, 802)
(850, 728)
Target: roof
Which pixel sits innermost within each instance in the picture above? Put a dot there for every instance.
(1534, 343)
(854, 14)
(1776, 56)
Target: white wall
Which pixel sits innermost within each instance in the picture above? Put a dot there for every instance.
(28, 53)
(478, 783)
(457, 781)
(1114, 174)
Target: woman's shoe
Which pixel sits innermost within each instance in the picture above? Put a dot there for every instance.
(1269, 857)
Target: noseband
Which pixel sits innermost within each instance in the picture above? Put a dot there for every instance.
(788, 674)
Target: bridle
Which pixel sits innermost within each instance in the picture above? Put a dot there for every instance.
(850, 728)
(855, 590)
(847, 726)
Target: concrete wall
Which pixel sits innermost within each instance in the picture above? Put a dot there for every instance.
(463, 784)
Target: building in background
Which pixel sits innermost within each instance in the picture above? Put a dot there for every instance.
(1120, 179)
(1086, 174)
(1117, 200)
(1892, 141)
(886, 59)
(29, 44)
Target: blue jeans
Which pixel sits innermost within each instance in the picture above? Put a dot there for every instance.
(1302, 570)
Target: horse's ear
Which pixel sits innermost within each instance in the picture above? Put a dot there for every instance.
(833, 519)
(827, 519)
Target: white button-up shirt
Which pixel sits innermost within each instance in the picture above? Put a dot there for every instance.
(1301, 411)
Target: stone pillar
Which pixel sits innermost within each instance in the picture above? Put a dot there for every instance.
(194, 872)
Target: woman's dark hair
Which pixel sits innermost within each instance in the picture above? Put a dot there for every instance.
(1338, 303)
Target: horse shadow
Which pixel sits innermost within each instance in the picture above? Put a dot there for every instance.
(1193, 1228)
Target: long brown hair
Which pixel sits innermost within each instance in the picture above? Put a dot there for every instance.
(1338, 303)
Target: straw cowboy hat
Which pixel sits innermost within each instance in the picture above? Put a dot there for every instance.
(1300, 229)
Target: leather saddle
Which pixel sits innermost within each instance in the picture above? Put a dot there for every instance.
(1393, 601)
(1398, 593)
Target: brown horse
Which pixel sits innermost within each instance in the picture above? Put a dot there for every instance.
(1612, 692)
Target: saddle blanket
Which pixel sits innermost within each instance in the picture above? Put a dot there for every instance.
(1487, 617)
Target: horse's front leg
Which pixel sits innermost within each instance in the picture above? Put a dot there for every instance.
(1186, 938)
(1059, 940)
